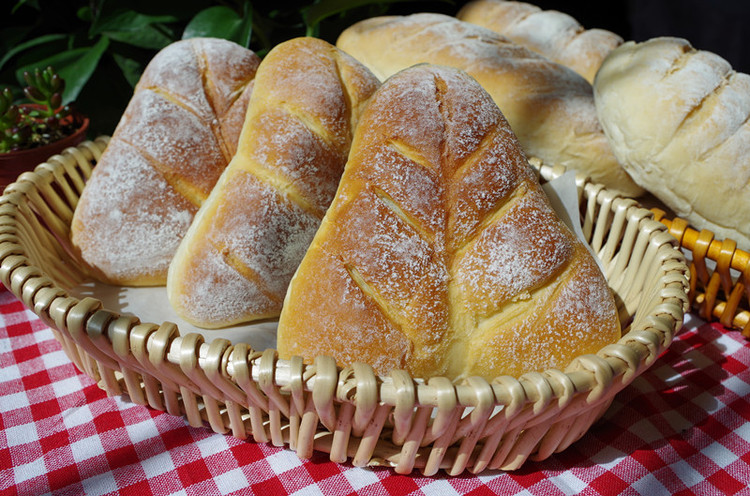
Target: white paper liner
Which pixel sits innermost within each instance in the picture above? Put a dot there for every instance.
(152, 305)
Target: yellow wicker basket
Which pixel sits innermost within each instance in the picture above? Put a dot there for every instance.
(352, 414)
(720, 274)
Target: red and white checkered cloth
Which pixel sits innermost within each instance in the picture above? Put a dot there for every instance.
(681, 428)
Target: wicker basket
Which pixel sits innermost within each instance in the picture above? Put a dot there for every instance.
(720, 274)
(350, 413)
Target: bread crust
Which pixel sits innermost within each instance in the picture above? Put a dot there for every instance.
(174, 139)
(556, 35)
(236, 260)
(440, 254)
(678, 120)
(549, 106)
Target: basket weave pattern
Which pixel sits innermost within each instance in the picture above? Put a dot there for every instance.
(719, 274)
(352, 414)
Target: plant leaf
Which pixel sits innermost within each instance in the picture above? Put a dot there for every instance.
(131, 68)
(140, 30)
(20, 3)
(148, 37)
(29, 44)
(129, 20)
(221, 22)
(315, 13)
(246, 25)
(74, 66)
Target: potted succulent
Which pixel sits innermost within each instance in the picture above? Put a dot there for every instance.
(32, 131)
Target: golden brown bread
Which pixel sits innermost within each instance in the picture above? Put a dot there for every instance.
(176, 136)
(440, 253)
(236, 260)
(678, 119)
(556, 35)
(550, 107)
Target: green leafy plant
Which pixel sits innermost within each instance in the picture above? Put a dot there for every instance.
(101, 48)
(42, 119)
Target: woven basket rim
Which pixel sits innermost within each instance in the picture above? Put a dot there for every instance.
(92, 305)
(108, 336)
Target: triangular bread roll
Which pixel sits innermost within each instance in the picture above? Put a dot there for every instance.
(235, 262)
(176, 136)
(441, 254)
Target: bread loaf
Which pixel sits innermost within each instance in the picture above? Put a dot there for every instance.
(440, 253)
(677, 119)
(550, 107)
(556, 35)
(236, 260)
(176, 136)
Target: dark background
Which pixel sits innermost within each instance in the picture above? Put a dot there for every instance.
(720, 26)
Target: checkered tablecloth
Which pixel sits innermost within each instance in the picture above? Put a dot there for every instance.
(681, 428)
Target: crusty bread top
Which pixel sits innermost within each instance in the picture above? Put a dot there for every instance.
(440, 253)
(201, 80)
(236, 260)
(176, 136)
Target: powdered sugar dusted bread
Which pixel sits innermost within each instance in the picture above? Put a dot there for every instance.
(176, 136)
(678, 120)
(441, 254)
(235, 262)
(556, 35)
(550, 107)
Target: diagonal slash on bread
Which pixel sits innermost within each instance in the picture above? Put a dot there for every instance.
(441, 254)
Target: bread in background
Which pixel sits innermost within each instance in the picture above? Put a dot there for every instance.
(677, 119)
(550, 107)
(556, 35)
(441, 254)
(176, 136)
